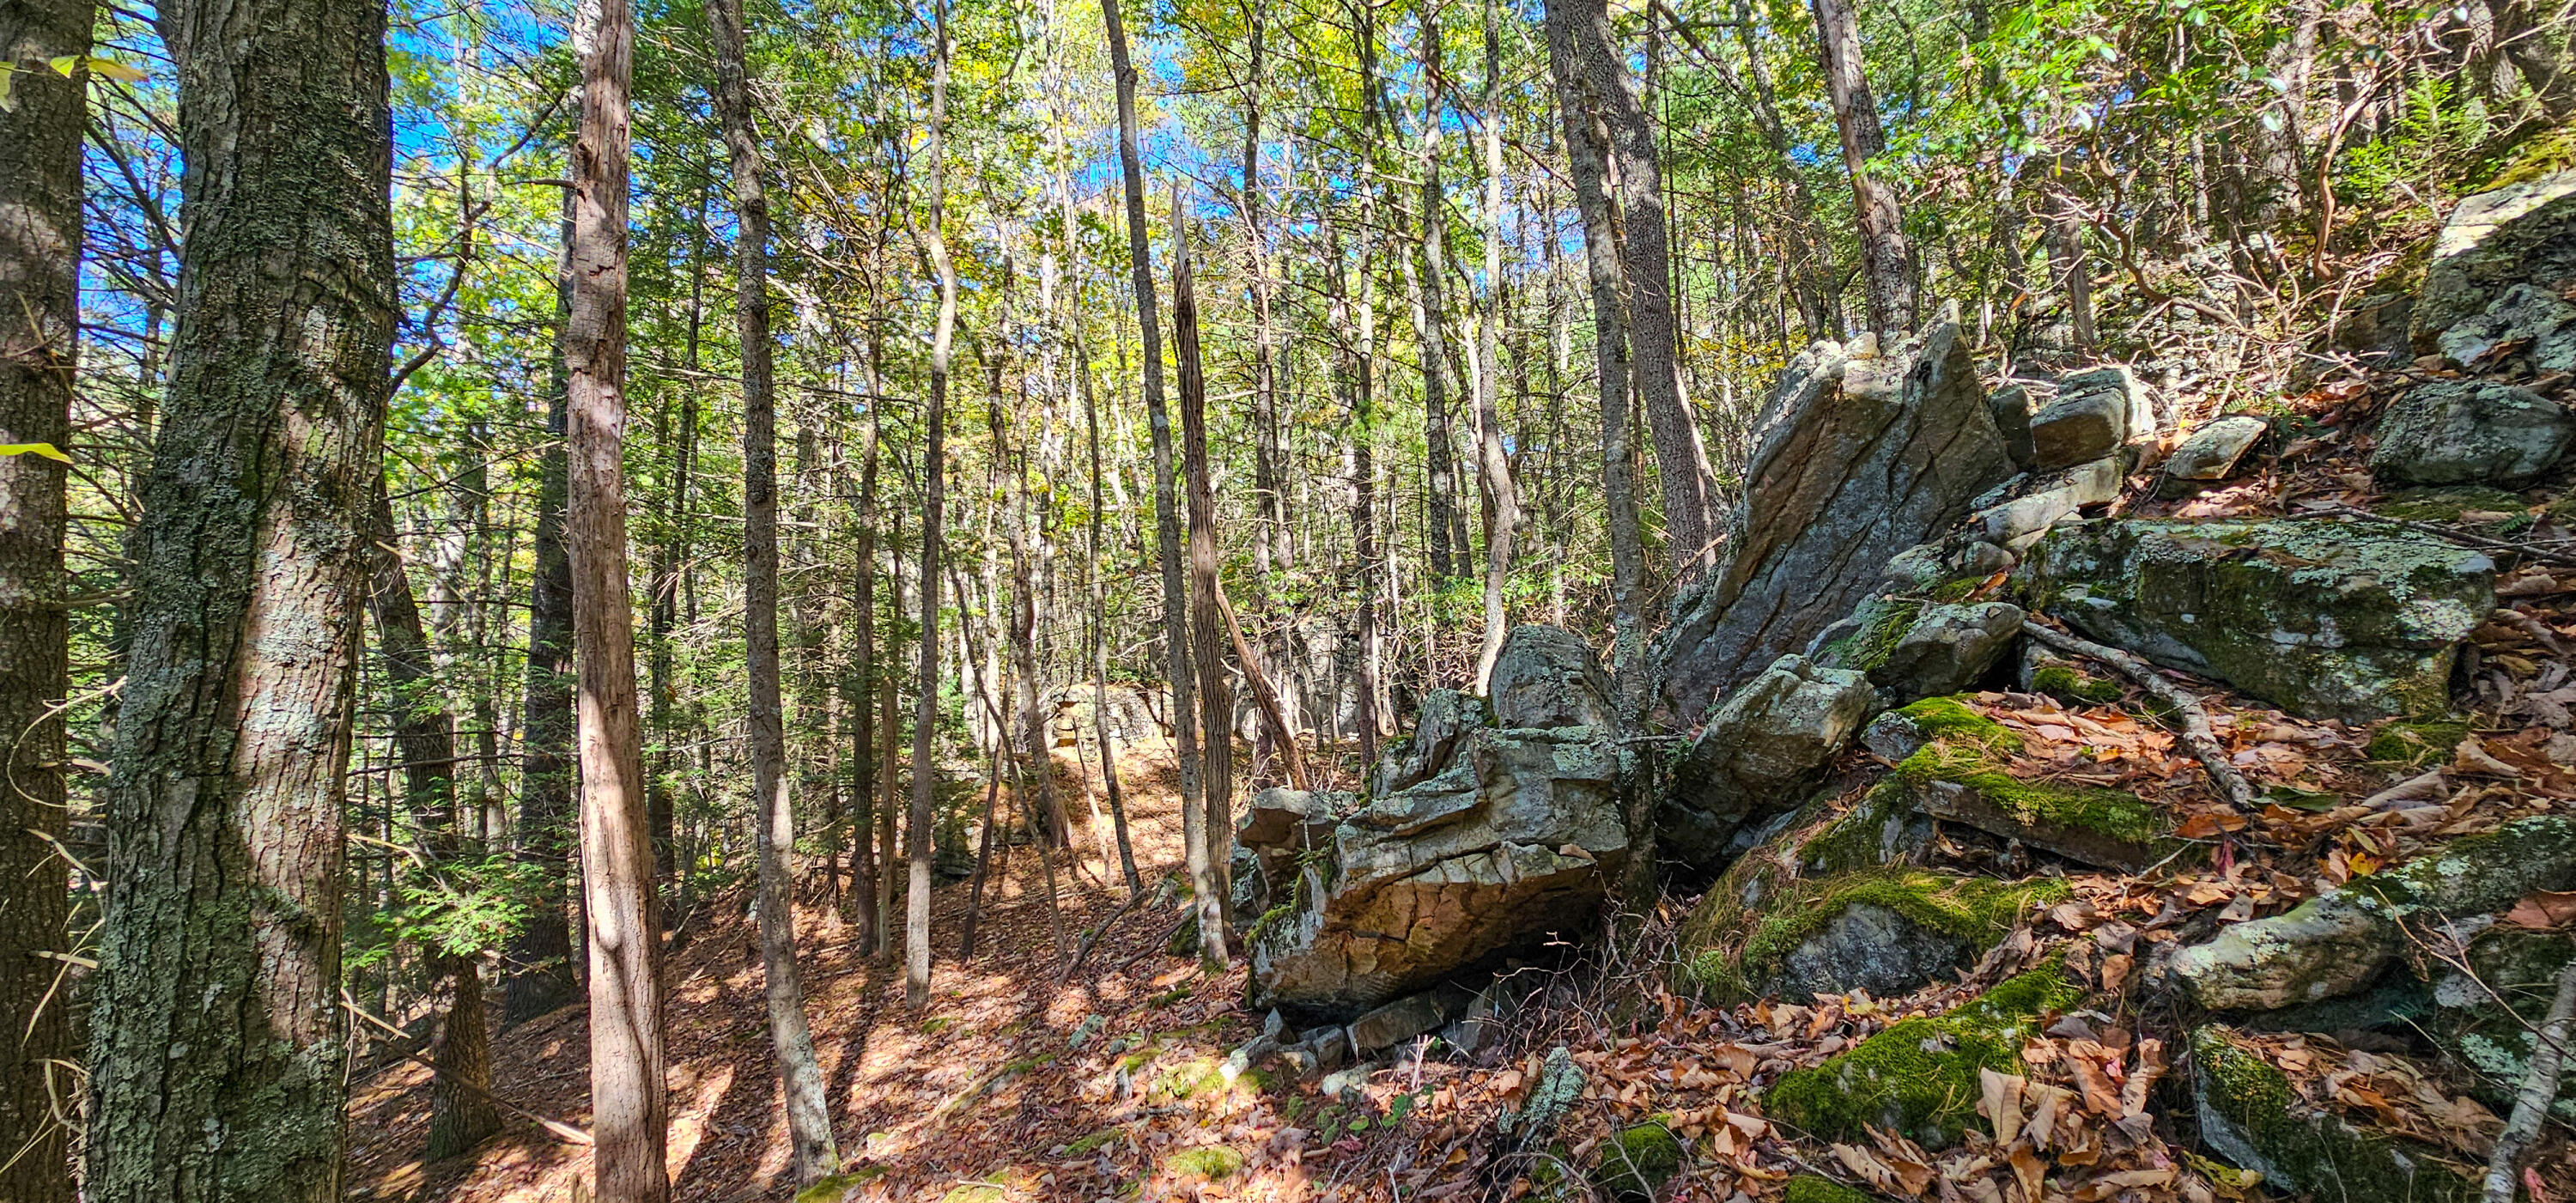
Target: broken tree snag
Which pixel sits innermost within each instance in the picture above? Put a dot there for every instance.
(1263, 696)
(2195, 730)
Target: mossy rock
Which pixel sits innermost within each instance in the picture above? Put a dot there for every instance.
(830, 1187)
(2481, 874)
(2447, 504)
(1637, 1162)
(2250, 1114)
(976, 1192)
(2097, 826)
(2073, 686)
(1816, 1188)
(1910, 728)
(1088, 1144)
(2414, 741)
(1206, 1163)
(1883, 622)
(1883, 829)
(1919, 1077)
(1809, 940)
(2496, 1040)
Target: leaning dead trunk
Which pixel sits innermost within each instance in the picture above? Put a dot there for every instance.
(224, 810)
(1207, 632)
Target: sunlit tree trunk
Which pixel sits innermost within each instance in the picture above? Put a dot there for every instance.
(925, 714)
(224, 809)
(809, 1120)
(1887, 264)
(1207, 630)
(622, 927)
(1493, 466)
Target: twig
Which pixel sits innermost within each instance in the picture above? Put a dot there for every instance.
(2539, 1090)
(1159, 941)
(2196, 733)
(2439, 531)
(1091, 941)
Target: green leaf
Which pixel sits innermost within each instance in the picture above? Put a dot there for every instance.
(47, 450)
(70, 63)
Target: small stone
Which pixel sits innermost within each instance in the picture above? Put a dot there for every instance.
(2470, 432)
(2011, 408)
(2041, 503)
(1344, 1083)
(2211, 453)
(2137, 404)
(1397, 1022)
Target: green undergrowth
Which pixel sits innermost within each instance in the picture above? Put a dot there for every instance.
(1206, 1163)
(830, 1188)
(1919, 1077)
(1637, 1162)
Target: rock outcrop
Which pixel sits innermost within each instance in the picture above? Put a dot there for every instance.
(2325, 619)
(2521, 233)
(2450, 432)
(1855, 460)
(1515, 834)
(1761, 751)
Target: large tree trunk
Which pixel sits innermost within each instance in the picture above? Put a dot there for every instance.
(1887, 265)
(1583, 142)
(1600, 84)
(628, 1104)
(800, 1072)
(224, 810)
(1493, 465)
(1207, 628)
(40, 248)
(925, 714)
(461, 1113)
(1167, 520)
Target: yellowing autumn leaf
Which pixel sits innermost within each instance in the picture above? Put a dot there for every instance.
(42, 450)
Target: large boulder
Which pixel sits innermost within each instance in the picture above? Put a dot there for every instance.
(1855, 459)
(2450, 432)
(1511, 833)
(1758, 756)
(2523, 232)
(2325, 619)
(1547, 677)
(2536, 320)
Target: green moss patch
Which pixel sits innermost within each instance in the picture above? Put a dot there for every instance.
(1949, 720)
(2414, 741)
(2073, 686)
(1207, 1163)
(2260, 1119)
(1639, 1160)
(1884, 622)
(830, 1188)
(1976, 909)
(1919, 1077)
(2447, 504)
(1094, 1142)
(1816, 1188)
(2088, 823)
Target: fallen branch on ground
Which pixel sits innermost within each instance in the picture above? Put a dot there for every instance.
(554, 1127)
(1089, 942)
(2539, 1090)
(2196, 734)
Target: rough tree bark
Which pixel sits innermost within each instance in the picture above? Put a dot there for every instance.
(800, 1073)
(1099, 629)
(461, 1113)
(1887, 264)
(1448, 529)
(1583, 141)
(622, 924)
(1207, 627)
(224, 809)
(925, 714)
(40, 248)
(865, 763)
(1595, 79)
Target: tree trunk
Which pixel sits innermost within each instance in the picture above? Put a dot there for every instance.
(1493, 465)
(622, 924)
(224, 809)
(889, 737)
(800, 1074)
(1167, 522)
(1448, 530)
(540, 955)
(461, 1113)
(865, 763)
(40, 249)
(1610, 344)
(925, 713)
(1601, 86)
(1207, 628)
(1887, 265)
(1099, 628)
